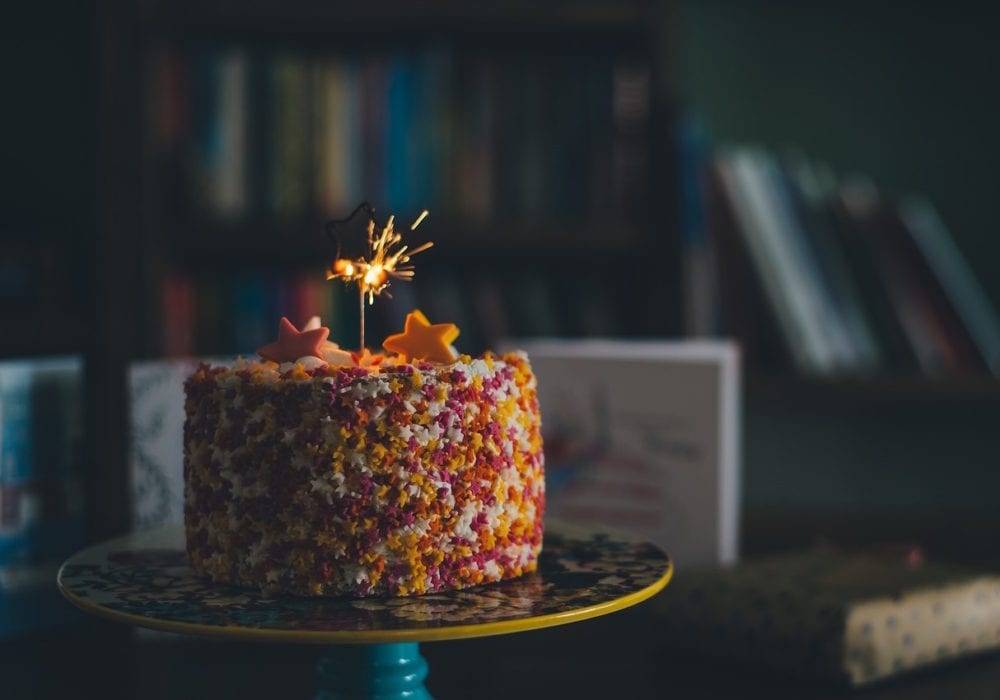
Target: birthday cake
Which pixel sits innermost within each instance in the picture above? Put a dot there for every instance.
(313, 471)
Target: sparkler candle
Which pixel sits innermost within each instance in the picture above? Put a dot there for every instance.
(386, 259)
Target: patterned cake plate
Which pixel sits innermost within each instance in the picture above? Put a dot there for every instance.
(144, 580)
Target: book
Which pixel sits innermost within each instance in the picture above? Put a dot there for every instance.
(853, 207)
(957, 346)
(338, 135)
(910, 306)
(631, 107)
(951, 270)
(290, 160)
(810, 189)
(178, 315)
(41, 486)
(832, 614)
(474, 164)
(808, 276)
(793, 297)
(744, 309)
(434, 133)
(247, 301)
(207, 127)
(400, 169)
(167, 98)
(229, 179)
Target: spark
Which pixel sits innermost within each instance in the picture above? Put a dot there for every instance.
(387, 259)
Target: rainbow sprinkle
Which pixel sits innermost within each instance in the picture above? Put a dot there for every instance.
(395, 480)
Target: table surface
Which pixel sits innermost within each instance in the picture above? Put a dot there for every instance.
(145, 580)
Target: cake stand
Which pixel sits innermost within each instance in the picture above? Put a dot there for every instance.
(144, 580)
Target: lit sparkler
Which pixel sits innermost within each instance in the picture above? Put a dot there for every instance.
(387, 259)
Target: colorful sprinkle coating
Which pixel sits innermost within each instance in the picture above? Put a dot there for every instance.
(395, 480)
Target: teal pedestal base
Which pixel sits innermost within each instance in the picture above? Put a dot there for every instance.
(373, 672)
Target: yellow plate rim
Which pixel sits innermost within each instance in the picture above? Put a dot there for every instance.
(436, 634)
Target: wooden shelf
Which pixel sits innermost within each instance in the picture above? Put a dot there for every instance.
(302, 240)
(881, 389)
(43, 332)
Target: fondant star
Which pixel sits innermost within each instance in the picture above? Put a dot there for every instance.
(293, 343)
(367, 358)
(420, 340)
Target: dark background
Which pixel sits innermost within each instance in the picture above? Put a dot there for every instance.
(904, 94)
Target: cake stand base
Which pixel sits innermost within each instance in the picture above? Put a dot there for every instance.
(145, 579)
(372, 672)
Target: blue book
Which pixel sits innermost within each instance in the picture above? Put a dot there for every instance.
(962, 290)
(41, 499)
(16, 456)
(251, 325)
(400, 147)
(207, 125)
(434, 133)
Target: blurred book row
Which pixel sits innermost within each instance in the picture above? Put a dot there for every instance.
(826, 274)
(237, 313)
(41, 491)
(476, 136)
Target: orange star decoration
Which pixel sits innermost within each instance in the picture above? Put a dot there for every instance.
(367, 358)
(293, 343)
(421, 340)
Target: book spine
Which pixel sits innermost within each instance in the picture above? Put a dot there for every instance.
(745, 188)
(697, 250)
(909, 313)
(290, 144)
(804, 273)
(229, 191)
(178, 315)
(812, 189)
(956, 346)
(630, 160)
(400, 146)
(207, 128)
(334, 167)
(956, 278)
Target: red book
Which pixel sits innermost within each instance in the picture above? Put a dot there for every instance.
(178, 316)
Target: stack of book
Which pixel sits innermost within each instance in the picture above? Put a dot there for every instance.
(41, 491)
(474, 136)
(826, 274)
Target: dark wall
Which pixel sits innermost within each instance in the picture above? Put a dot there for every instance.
(898, 91)
(909, 96)
(48, 118)
(48, 151)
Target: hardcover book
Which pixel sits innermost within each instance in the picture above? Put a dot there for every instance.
(835, 615)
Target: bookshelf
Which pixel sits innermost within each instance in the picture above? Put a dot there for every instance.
(155, 231)
(148, 227)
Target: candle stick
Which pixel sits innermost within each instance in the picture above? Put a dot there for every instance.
(386, 259)
(361, 318)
